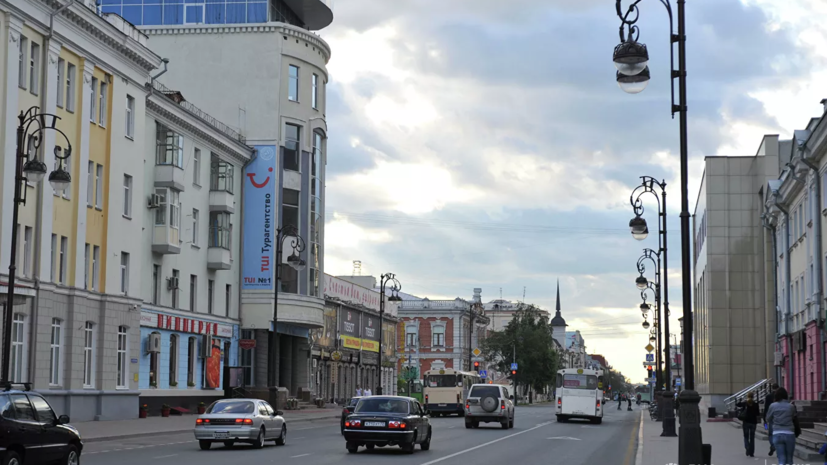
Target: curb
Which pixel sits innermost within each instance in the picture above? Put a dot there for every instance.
(188, 430)
(639, 454)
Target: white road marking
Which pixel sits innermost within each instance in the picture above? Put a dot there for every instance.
(302, 437)
(164, 456)
(565, 438)
(483, 445)
(297, 456)
(639, 455)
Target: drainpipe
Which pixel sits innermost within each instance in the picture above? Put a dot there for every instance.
(165, 61)
(787, 281)
(773, 230)
(819, 268)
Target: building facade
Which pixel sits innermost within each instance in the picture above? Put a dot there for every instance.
(76, 332)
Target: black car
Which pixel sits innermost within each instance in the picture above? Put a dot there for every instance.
(388, 421)
(347, 410)
(31, 433)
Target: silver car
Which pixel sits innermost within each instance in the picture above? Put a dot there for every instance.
(250, 421)
(489, 403)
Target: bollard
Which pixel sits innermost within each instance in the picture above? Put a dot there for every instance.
(707, 448)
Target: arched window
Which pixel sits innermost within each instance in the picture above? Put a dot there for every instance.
(19, 348)
(192, 355)
(173, 360)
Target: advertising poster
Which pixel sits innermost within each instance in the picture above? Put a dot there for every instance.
(214, 365)
(350, 328)
(260, 220)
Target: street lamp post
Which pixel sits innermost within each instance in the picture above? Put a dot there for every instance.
(297, 263)
(395, 288)
(31, 128)
(656, 318)
(631, 59)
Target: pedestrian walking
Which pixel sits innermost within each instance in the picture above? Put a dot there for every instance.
(358, 391)
(748, 414)
(768, 400)
(783, 426)
(619, 401)
(629, 399)
(367, 392)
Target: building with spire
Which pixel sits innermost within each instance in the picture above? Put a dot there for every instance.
(558, 323)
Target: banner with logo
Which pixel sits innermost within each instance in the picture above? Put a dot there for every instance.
(370, 327)
(260, 220)
(350, 328)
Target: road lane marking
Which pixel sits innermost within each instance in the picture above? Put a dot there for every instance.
(565, 438)
(164, 456)
(639, 454)
(297, 456)
(484, 445)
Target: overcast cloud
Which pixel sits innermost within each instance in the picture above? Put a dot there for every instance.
(486, 144)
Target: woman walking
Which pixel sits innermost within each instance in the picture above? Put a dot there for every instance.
(749, 420)
(781, 418)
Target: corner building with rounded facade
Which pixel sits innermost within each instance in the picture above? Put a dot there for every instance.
(259, 68)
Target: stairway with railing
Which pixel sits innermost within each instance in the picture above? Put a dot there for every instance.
(759, 390)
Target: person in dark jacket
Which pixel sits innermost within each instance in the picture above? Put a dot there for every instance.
(749, 419)
(768, 400)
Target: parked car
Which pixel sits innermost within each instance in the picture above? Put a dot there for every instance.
(347, 410)
(31, 433)
(250, 421)
(388, 421)
(489, 403)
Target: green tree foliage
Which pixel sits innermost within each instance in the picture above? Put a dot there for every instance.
(529, 334)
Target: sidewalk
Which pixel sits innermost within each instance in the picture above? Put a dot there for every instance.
(95, 431)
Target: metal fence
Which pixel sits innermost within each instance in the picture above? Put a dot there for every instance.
(199, 113)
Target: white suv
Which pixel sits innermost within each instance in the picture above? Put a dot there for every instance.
(489, 403)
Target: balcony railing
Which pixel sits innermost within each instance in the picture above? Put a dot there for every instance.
(221, 176)
(197, 112)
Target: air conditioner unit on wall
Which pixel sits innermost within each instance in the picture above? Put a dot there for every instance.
(153, 343)
(172, 283)
(154, 201)
(779, 359)
(206, 347)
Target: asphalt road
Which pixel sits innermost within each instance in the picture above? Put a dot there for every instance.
(536, 439)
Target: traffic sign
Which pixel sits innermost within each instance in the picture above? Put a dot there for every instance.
(677, 381)
(650, 357)
(649, 348)
(476, 352)
(648, 364)
(483, 374)
(513, 366)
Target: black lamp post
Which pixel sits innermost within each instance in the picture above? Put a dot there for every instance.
(631, 59)
(297, 263)
(395, 288)
(31, 129)
(656, 317)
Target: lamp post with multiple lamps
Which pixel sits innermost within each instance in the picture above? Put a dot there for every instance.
(645, 285)
(31, 131)
(297, 263)
(631, 58)
(395, 287)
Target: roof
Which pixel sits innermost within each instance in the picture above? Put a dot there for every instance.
(558, 319)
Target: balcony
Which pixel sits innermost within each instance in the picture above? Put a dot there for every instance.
(169, 158)
(218, 258)
(221, 186)
(219, 255)
(166, 239)
(166, 221)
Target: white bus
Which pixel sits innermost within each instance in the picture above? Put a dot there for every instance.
(580, 394)
(445, 390)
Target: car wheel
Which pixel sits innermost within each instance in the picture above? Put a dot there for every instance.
(342, 429)
(561, 419)
(475, 424)
(511, 423)
(282, 439)
(370, 446)
(204, 444)
(427, 444)
(229, 444)
(72, 456)
(259, 442)
(599, 421)
(352, 447)
(468, 423)
(12, 458)
(504, 424)
(408, 448)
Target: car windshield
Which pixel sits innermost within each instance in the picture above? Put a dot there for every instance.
(441, 381)
(484, 391)
(580, 382)
(374, 405)
(232, 406)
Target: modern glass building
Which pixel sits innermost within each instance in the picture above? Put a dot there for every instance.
(179, 12)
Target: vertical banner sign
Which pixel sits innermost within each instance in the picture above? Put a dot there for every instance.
(260, 220)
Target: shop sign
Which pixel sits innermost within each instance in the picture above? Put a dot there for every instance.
(371, 346)
(247, 344)
(370, 330)
(369, 358)
(350, 323)
(336, 288)
(185, 325)
(351, 342)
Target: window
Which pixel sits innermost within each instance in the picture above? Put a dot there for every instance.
(439, 336)
(61, 64)
(289, 279)
(64, 258)
(124, 272)
(290, 208)
(246, 357)
(45, 414)
(156, 283)
(52, 269)
(193, 292)
(210, 295)
(27, 251)
(221, 175)
(123, 368)
(88, 355)
(104, 87)
(174, 209)
(54, 356)
(21, 56)
(161, 211)
(175, 276)
(315, 96)
(169, 147)
(173, 360)
(228, 299)
(22, 408)
(86, 257)
(194, 227)
(71, 70)
(800, 221)
(93, 97)
(96, 256)
(192, 355)
(130, 116)
(220, 230)
(99, 187)
(292, 150)
(90, 186)
(196, 167)
(34, 68)
(127, 196)
(410, 338)
(19, 348)
(293, 84)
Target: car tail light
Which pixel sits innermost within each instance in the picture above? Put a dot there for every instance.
(559, 401)
(426, 399)
(502, 404)
(397, 425)
(467, 405)
(353, 423)
(345, 411)
(245, 421)
(198, 421)
(598, 402)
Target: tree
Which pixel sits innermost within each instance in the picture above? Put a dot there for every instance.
(528, 336)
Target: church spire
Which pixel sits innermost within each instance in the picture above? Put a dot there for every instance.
(558, 296)
(558, 319)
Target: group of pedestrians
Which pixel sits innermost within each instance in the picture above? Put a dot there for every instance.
(361, 393)
(624, 397)
(780, 421)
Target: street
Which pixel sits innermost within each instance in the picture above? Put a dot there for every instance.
(535, 438)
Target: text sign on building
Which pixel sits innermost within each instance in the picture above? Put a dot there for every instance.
(350, 328)
(260, 220)
(185, 325)
(370, 327)
(336, 288)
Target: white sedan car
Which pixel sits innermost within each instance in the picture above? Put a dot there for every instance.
(250, 421)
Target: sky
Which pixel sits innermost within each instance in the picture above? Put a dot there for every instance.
(482, 143)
